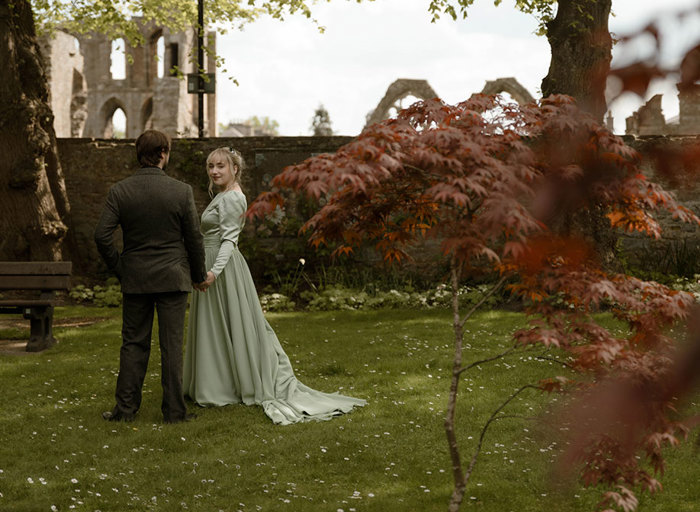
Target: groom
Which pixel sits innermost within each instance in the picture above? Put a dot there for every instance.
(162, 256)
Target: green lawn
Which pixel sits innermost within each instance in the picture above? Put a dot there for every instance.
(56, 452)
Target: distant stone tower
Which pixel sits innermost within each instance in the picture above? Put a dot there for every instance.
(649, 119)
(64, 72)
(147, 99)
(689, 95)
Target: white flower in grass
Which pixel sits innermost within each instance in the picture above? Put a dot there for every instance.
(30, 480)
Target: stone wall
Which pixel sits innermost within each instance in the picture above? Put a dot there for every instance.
(91, 166)
(678, 249)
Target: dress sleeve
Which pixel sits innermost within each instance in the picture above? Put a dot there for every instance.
(231, 219)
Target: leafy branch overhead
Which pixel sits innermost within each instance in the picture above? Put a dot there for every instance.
(543, 10)
(115, 18)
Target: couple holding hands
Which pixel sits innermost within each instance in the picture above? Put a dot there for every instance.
(232, 355)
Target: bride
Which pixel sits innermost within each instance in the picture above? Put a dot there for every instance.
(232, 354)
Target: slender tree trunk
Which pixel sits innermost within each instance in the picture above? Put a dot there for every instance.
(457, 471)
(581, 53)
(34, 206)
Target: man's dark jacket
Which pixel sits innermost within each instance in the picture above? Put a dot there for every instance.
(163, 249)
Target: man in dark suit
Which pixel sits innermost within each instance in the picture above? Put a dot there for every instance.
(162, 256)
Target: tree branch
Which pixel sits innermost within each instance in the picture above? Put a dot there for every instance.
(491, 419)
(488, 360)
(563, 363)
(483, 299)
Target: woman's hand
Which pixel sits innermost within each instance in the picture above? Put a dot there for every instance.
(202, 287)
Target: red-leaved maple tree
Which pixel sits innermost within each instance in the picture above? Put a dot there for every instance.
(497, 184)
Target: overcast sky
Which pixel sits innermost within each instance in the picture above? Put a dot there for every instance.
(286, 69)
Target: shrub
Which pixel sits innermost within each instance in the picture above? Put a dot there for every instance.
(109, 295)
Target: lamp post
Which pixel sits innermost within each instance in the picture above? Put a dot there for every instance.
(198, 83)
(200, 67)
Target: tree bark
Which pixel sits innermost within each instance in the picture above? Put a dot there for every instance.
(581, 53)
(34, 207)
(581, 47)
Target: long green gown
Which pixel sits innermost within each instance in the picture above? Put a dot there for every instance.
(232, 354)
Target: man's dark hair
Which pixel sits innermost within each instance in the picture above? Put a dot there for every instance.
(150, 145)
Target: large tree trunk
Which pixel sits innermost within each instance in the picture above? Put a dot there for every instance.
(581, 52)
(34, 206)
(581, 46)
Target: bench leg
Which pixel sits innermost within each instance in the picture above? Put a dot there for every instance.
(41, 328)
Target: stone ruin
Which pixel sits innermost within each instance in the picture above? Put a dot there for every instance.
(650, 120)
(404, 87)
(85, 94)
(395, 93)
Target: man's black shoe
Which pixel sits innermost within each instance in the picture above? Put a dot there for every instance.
(109, 416)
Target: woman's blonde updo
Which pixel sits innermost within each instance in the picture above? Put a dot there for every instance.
(235, 164)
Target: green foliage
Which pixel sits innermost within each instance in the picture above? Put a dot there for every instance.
(289, 285)
(337, 298)
(276, 302)
(109, 295)
(321, 123)
(543, 10)
(663, 261)
(688, 284)
(115, 18)
(265, 124)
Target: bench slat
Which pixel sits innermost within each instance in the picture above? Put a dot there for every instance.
(51, 268)
(26, 303)
(34, 282)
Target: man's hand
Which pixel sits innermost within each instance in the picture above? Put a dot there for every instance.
(202, 287)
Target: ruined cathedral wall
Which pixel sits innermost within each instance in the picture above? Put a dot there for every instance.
(149, 87)
(64, 65)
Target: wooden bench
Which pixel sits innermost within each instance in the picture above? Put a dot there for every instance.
(37, 282)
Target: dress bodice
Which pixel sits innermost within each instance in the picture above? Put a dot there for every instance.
(224, 218)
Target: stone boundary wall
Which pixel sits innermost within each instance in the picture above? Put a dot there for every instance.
(678, 249)
(91, 166)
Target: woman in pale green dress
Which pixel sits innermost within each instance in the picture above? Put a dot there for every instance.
(232, 354)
